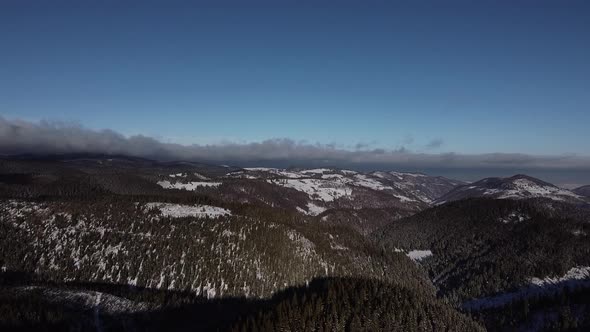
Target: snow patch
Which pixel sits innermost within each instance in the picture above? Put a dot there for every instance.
(418, 255)
(576, 273)
(524, 188)
(317, 171)
(314, 210)
(579, 232)
(190, 186)
(182, 211)
(201, 176)
(317, 189)
(575, 277)
(515, 217)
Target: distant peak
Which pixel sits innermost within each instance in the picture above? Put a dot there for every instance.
(530, 179)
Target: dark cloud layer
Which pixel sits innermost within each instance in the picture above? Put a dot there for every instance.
(18, 137)
(435, 143)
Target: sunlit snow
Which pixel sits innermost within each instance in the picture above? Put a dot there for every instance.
(418, 255)
(187, 186)
(181, 211)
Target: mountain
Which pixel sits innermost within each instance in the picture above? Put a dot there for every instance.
(583, 191)
(368, 306)
(515, 187)
(324, 304)
(337, 197)
(427, 188)
(110, 243)
(140, 244)
(87, 218)
(211, 250)
(485, 254)
(363, 201)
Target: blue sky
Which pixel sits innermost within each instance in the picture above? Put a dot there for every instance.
(474, 76)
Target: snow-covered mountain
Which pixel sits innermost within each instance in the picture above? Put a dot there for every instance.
(492, 253)
(364, 201)
(327, 187)
(583, 191)
(515, 187)
(206, 250)
(426, 188)
(137, 235)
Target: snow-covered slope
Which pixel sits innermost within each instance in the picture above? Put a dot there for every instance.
(576, 277)
(182, 211)
(515, 187)
(191, 186)
(328, 188)
(426, 188)
(211, 253)
(583, 191)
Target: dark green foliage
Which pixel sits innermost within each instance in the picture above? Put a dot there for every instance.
(564, 311)
(81, 226)
(477, 254)
(355, 305)
(333, 304)
(33, 313)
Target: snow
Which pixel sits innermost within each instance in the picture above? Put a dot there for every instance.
(331, 186)
(314, 210)
(528, 188)
(418, 255)
(575, 273)
(491, 191)
(96, 301)
(317, 189)
(380, 175)
(201, 176)
(515, 217)
(522, 188)
(317, 171)
(575, 277)
(304, 246)
(190, 186)
(333, 176)
(259, 169)
(335, 183)
(578, 232)
(181, 211)
(400, 175)
(335, 246)
(273, 171)
(367, 182)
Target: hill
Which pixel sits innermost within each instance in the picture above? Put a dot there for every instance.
(516, 187)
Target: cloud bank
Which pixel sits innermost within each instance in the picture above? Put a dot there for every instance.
(24, 137)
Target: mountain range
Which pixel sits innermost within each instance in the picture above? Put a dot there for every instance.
(111, 242)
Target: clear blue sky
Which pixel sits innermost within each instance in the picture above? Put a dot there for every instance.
(482, 76)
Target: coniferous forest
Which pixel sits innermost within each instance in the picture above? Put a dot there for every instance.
(93, 243)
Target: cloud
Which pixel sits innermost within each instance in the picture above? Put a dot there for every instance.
(361, 146)
(408, 140)
(19, 137)
(435, 144)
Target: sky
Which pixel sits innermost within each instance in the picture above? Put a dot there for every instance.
(430, 77)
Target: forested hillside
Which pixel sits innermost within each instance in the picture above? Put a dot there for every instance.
(89, 242)
(488, 254)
